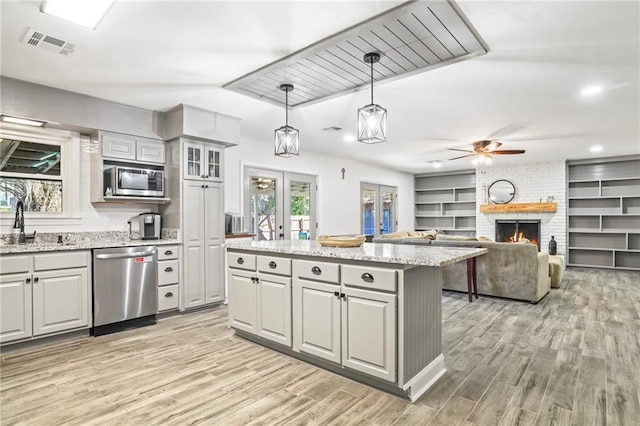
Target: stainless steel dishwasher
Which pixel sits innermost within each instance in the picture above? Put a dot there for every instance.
(124, 288)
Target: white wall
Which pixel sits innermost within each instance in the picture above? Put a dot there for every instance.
(533, 182)
(338, 200)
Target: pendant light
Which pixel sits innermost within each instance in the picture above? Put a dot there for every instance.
(372, 118)
(286, 137)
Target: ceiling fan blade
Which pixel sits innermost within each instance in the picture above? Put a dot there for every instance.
(461, 150)
(464, 156)
(508, 151)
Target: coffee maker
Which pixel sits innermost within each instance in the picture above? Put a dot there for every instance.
(149, 226)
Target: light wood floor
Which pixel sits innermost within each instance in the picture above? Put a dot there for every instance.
(572, 359)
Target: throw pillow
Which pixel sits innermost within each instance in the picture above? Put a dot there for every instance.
(483, 238)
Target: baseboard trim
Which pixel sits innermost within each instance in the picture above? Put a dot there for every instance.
(422, 381)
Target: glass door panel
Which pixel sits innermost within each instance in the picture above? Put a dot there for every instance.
(300, 196)
(263, 204)
(388, 205)
(193, 161)
(213, 163)
(369, 202)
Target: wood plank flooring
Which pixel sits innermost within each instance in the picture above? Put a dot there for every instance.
(573, 359)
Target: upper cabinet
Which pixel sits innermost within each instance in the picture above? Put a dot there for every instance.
(132, 148)
(202, 161)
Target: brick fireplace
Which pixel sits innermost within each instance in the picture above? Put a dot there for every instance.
(514, 230)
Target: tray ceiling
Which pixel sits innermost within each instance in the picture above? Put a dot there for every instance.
(413, 37)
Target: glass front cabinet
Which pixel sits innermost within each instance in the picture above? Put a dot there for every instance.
(202, 161)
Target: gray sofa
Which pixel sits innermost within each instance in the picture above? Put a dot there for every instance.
(511, 270)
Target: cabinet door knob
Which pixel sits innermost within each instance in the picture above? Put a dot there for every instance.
(202, 176)
(201, 186)
(316, 270)
(343, 295)
(207, 177)
(273, 265)
(168, 252)
(206, 186)
(336, 293)
(240, 261)
(35, 280)
(367, 277)
(168, 269)
(169, 294)
(28, 280)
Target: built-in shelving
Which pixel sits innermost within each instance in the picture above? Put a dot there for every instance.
(446, 202)
(603, 208)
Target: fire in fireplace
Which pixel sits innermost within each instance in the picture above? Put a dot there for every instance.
(512, 231)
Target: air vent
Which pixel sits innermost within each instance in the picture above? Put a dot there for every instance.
(48, 42)
(332, 129)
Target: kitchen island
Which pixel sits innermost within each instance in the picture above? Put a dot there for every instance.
(371, 313)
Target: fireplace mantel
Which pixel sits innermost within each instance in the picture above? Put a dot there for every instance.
(519, 208)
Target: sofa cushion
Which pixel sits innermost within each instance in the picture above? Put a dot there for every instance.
(399, 234)
(445, 237)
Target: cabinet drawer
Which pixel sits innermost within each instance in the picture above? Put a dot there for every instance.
(318, 271)
(60, 260)
(274, 265)
(241, 261)
(168, 272)
(369, 277)
(168, 297)
(14, 264)
(167, 252)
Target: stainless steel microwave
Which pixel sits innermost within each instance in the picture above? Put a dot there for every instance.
(134, 181)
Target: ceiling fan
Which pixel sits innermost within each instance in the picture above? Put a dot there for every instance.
(484, 151)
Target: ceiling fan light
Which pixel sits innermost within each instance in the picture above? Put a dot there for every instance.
(372, 124)
(286, 142)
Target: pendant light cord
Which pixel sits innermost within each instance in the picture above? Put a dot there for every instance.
(371, 82)
(286, 107)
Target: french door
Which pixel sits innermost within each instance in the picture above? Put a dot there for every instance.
(378, 209)
(280, 205)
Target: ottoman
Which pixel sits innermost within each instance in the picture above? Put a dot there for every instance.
(556, 266)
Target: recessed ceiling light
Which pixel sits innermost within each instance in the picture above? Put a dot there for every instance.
(349, 138)
(591, 91)
(595, 148)
(25, 121)
(437, 164)
(82, 12)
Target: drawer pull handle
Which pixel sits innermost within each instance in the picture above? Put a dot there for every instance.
(273, 265)
(367, 277)
(168, 253)
(169, 294)
(240, 261)
(168, 269)
(316, 270)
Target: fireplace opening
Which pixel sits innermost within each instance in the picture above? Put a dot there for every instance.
(512, 231)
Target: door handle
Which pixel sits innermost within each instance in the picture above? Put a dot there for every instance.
(367, 277)
(316, 271)
(273, 265)
(168, 269)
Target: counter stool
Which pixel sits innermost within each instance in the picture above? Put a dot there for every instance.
(472, 278)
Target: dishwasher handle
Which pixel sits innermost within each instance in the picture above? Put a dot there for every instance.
(124, 255)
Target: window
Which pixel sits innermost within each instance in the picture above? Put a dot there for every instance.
(33, 169)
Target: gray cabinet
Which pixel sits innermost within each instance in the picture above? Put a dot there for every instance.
(260, 296)
(604, 213)
(202, 161)
(168, 278)
(446, 201)
(15, 307)
(203, 236)
(44, 293)
(132, 148)
(349, 322)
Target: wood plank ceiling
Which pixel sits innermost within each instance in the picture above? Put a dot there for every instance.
(413, 37)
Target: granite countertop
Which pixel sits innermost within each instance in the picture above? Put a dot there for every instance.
(371, 252)
(85, 244)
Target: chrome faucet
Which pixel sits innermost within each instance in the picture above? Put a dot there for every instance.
(19, 223)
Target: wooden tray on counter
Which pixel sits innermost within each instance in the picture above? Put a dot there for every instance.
(341, 241)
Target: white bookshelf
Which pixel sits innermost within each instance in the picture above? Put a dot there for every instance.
(446, 201)
(604, 213)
